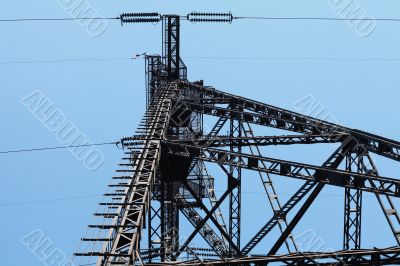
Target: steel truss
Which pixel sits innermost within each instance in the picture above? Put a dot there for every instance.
(361, 257)
(235, 131)
(164, 182)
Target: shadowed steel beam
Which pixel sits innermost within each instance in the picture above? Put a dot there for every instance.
(329, 176)
(226, 141)
(333, 162)
(352, 205)
(296, 219)
(210, 213)
(289, 205)
(208, 234)
(365, 257)
(125, 229)
(212, 197)
(235, 197)
(271, 193)
(292, 121)
(208, 216)
(385, 202)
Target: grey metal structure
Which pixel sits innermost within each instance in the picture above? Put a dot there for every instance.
(164, 177)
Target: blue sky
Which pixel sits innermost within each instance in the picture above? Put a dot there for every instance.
(105, 101)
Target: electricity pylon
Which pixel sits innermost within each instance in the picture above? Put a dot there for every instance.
(164, 177)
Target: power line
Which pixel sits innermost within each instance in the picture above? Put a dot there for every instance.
(54, 19)
(100, 195)
(47, 200)
(321, 18)
(338, 59)
(296, 58)
(235, 18)
(137, 56)
(57, 147)
(282, 194)
(65, 60)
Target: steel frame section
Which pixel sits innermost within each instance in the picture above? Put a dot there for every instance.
(213, 240)
(258, 141)
(385, 202)
(332, 162)
(363, 257)
(269, 115)
(235, 131)
(271, 193)
(124, 231)
(209, 215)
(335, 177)
(171, 43)
(126, 238)
(352, 205)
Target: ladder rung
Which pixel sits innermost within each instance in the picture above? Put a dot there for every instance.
(106, 216)
(97, 254)
(114, 194)
(102, 226)
(95, 239)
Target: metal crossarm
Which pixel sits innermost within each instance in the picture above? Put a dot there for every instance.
(364, 257)
(258, 141)
(341, 178)
(293, 121)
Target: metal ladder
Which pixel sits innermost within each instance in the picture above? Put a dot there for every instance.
(270, 191)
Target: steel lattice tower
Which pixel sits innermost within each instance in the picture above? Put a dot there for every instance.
(164, 176)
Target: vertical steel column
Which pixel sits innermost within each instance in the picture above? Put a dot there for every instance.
(172, 222)
(153, 68)
(169, 220)
(235, 195)
(169, 209)
(163, 243)
(171, 43)
(353, 205)
(154, 222)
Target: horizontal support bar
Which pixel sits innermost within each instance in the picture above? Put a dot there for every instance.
(390, 256)
(226, 141)
(341, 178)
(272, 116)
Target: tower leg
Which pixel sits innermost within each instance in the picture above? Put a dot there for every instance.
(235, 195)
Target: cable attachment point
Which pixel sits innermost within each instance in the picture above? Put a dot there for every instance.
(136, 140)
(210, 17)
(140, 18)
